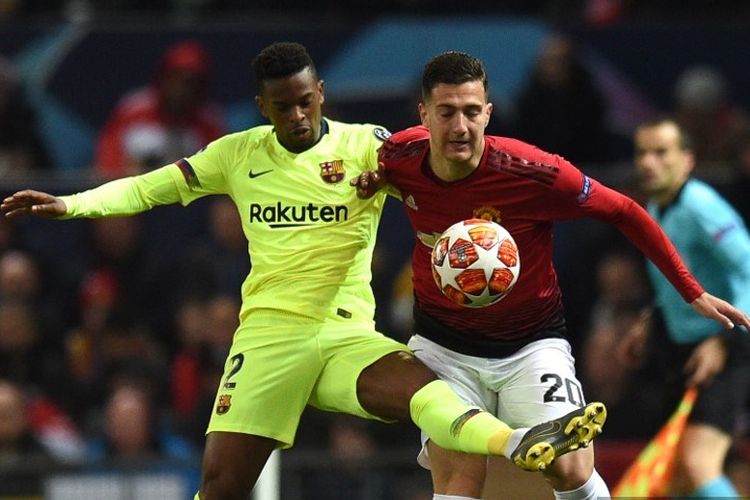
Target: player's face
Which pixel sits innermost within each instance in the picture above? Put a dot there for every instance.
(457, 116)
(293, 106)
(662, 164)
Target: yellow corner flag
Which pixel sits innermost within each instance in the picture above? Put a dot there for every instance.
(650, 473)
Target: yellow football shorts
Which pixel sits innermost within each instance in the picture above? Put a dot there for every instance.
(274, 370)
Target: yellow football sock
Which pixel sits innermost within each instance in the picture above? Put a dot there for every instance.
(452, 425)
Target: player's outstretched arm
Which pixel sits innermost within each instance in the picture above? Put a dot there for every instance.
(369, 182)
(720, 310)
(30, 202)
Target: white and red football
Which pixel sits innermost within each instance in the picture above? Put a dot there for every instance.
(475, 262)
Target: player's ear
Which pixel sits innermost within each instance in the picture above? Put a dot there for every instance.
(321, 91)
(423, 115)
(261, 106)
(488, 114)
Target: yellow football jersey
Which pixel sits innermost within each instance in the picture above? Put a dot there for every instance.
(310, 238)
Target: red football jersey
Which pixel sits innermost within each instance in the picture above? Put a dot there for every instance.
(526, 190)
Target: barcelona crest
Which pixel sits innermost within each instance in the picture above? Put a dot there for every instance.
(222, 406)
(332, 171)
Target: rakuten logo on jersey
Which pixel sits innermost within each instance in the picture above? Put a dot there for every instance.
(280, 215)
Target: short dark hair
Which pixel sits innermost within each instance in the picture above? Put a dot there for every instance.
(453, 68)
(280, 60)
(685, 140)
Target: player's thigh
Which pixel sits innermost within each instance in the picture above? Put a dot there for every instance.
(536, 384)
(268, 377)
(348, 349)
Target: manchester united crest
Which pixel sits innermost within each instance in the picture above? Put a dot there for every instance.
(488, 213)
(224, 403)
(332, 171)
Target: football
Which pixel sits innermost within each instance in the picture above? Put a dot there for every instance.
(475, 262)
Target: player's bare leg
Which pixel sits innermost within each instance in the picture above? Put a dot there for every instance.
(462, 474)
(570, 471)
(456, 473)
(232, 463)
(385, 388)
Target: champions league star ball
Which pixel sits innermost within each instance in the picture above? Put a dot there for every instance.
(475, 262)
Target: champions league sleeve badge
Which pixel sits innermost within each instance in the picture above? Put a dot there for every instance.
(381, 133)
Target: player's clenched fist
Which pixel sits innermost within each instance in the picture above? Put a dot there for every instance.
(29, 202)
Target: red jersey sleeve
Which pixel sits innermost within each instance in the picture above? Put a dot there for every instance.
(603, 203)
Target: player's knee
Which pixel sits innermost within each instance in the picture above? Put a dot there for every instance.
(411, 371)
(386, 387)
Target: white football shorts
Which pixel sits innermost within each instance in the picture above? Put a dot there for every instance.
(536, 384)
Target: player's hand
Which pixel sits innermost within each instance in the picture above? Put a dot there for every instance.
(706, 361)
(369, 182)
(29, 202)
(720, 310)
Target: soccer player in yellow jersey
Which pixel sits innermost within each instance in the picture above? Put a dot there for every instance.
(306, 333)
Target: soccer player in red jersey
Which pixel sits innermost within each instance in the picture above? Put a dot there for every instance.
(512, 358)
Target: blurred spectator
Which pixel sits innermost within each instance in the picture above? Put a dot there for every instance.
(705, 109)
(33, 429)
(560, 108)
(19, 335)
(205, 330)
(401, 304)
(97, 358)
(131, 430)
(165, 121)
(8, 235)
(219, 263)
(17, 442)
(187, 367)
(622, 297)
(194, 375)
(21, 146)
(19, 276)
(738, 189)
(119, 272)
(605, 12)
(22, 281)
(25, 357)
(350, 473)
(115, 298)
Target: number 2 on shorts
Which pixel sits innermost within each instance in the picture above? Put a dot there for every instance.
(236, 361)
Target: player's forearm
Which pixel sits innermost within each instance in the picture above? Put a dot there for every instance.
(125, 196)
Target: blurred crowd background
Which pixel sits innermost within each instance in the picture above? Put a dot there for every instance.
(113, 332)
